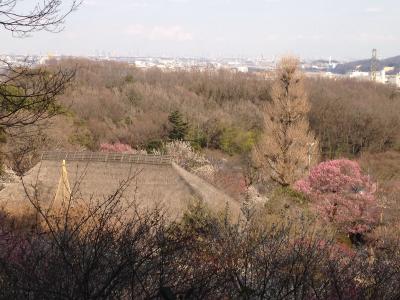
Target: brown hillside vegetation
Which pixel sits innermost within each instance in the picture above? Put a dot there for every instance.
(112, 102)
(116, 102)
(385, 168)
(350, 117)
(278, 248)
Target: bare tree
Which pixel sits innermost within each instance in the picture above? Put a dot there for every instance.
(113, 251)
(28, 94)
(284, 150)
(43, 15)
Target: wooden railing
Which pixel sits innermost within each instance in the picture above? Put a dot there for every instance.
(108, 157)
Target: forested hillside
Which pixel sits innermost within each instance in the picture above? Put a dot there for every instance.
(365, 65)
(112, 102)
(141, 182)
(313, 165)
(222, 115)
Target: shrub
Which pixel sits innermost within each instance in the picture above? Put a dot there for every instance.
(234, 140)
(154, 145)
(83, 139)
(342, 195)
(197, 138)
(111, 253)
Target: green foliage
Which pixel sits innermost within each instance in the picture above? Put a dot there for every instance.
(3, 136)
(84, 139)
(180, 127)
(154, 145)
(13, 99)
(128, 121)
(197, 138)
(129, 78)
(289, 193)
(10, 97)
(235, 140)
(198, 218)
(134, 97)
(2, 165)
(284, 203)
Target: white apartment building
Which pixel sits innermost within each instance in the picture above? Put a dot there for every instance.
(359, 75)
(394, 80)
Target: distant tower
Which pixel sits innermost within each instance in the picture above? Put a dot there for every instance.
(374, 64)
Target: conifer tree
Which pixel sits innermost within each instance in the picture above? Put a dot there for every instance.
(284, 150)
(180, 127)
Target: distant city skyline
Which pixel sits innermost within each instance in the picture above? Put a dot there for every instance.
(221, 28)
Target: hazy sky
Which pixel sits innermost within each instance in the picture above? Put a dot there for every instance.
(309, 28)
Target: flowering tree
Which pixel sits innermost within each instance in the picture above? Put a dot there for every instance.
(185, 156)
(120, 148)
(342, 195)
(117, 147)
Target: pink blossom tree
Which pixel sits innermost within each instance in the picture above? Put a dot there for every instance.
(342, 195)
(117, 147)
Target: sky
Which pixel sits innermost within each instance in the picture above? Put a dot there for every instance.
(343, 29)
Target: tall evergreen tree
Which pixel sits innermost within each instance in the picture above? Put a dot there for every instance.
(180, 127)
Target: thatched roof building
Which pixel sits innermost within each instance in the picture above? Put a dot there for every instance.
(153, 181)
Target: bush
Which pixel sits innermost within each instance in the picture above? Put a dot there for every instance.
(197, 138)
(235, 140)
(155, 145)
(109, 255)
(83, 139)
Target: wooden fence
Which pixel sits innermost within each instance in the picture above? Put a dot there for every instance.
(108, 157)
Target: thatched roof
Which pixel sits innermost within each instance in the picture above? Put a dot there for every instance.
(155, 181)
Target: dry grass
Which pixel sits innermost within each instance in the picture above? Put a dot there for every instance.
(164, 186)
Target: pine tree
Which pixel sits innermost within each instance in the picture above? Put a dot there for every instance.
(283, 152)
(180, 127)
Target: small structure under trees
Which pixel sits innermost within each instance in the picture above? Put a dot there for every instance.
(284, 149)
